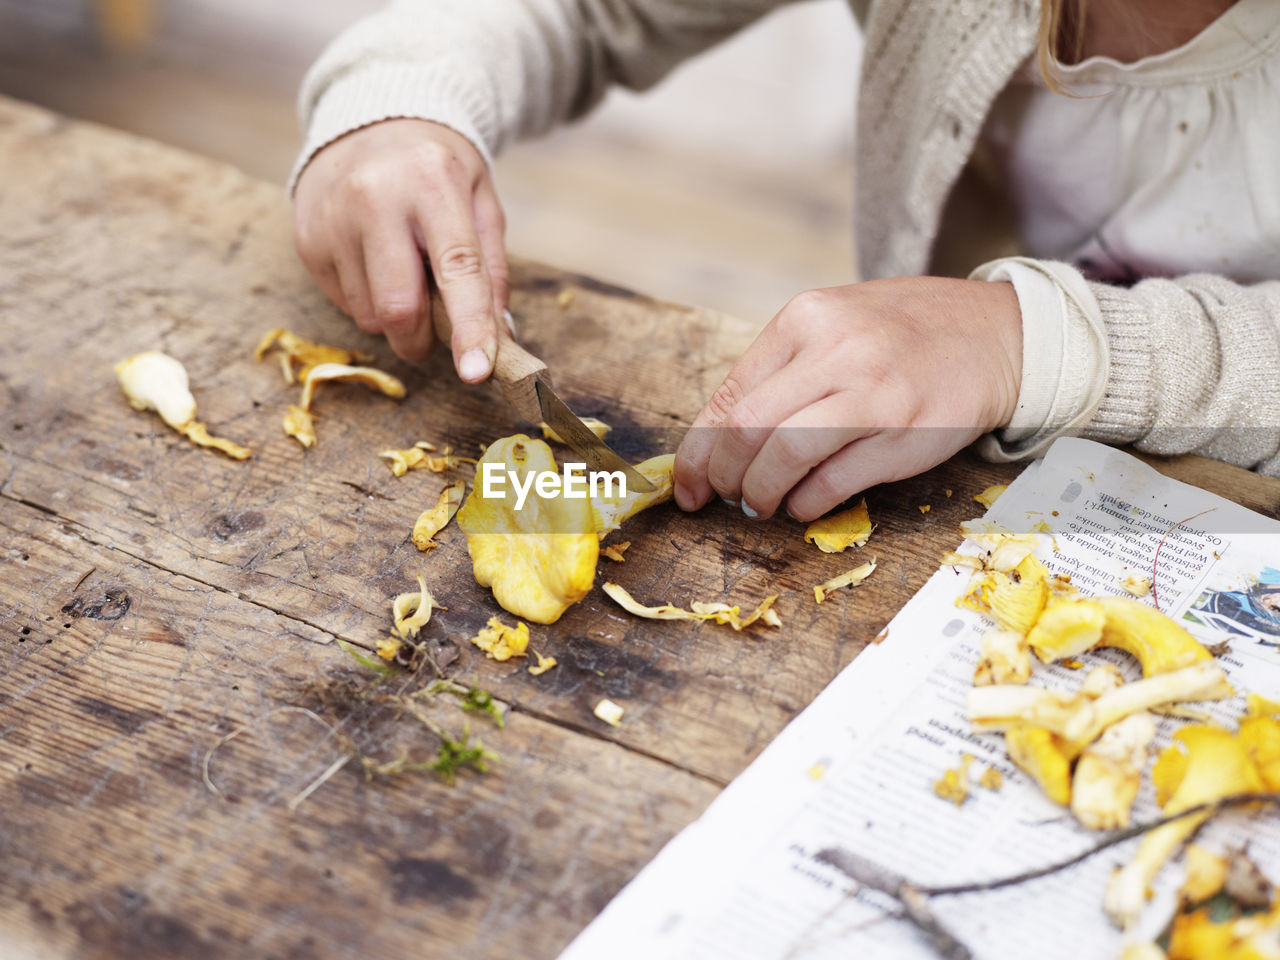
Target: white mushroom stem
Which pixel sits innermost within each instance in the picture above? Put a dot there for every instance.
(1078, 717)
(156, 381)
(1005, 659)
(1204, 680)
(1109, 772)
(1126, 893)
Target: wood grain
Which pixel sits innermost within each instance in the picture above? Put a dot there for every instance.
(239, 575)
(120, 679)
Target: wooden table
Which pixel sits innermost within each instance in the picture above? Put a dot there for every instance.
(167, 616)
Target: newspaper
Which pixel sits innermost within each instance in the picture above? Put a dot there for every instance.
(855, 769)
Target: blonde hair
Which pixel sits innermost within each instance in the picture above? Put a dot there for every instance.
(1061, 38)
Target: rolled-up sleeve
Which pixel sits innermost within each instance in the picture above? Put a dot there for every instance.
(1185, 365)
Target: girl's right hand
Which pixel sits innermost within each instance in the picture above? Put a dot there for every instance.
(369, 207)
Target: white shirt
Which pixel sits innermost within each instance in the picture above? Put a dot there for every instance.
(1159, 168)
(1162, 167)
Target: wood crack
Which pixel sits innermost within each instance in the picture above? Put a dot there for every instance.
(72, 526)
(597, 735)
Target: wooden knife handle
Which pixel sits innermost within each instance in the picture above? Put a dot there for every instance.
(515, 369)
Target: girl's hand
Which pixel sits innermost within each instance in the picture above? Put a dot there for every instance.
(852, 386)
(371, 204)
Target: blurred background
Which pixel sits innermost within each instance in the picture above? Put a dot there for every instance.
(729, 185)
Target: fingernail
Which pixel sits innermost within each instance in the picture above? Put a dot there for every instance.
(731, 503)
(511, 321)
(684, 499)
(473, 365)
(792, 515)
(748, 511)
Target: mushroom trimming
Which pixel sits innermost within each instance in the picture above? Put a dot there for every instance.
(540, 558)
(156, 381)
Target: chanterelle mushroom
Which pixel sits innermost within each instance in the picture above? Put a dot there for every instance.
(539, 559)
(156, 381)
(1203, 764)
(538, 553)
(1159, 643)
(1109, 772)
(1081, 718)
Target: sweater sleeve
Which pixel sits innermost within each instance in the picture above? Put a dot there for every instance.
(495, 70)
(1191, 365)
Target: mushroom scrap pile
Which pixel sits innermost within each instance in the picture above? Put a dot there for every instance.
(1088, 748)
(539, 557)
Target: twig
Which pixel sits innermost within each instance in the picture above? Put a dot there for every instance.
(315, 784)
(1120, 836)
(1156, 559)
(914, 898)
(915, 903)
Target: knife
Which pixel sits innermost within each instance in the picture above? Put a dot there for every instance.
(526, 383)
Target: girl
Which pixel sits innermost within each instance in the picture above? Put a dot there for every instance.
(1126, 149)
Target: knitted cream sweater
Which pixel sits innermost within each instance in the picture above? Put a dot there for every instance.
(1191, 364)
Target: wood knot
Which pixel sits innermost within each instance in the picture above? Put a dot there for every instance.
(112, 605)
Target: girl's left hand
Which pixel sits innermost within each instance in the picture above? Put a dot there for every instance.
(852, 386)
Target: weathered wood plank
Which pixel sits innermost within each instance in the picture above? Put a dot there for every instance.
(322, 536)
(239, 574)
(147, 247)
(113, 846)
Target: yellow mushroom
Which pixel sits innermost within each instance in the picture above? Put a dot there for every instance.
(501, 642)
(1158, 643)
(1200, 681)
(421, 602)
(198, 433)
(299, 352)
(1261, 738)
(433, 520)
(1109, 772)
(538, 559)
(369, 376)
(419, 457)
(300, 425)
(1256, 705)
(1066, 628)
(953, 785)
(1015, 604)
(1135, 585)
(1081, 717)
(610, 511)
(538, 552)
(1206, 874)
(1203, 764)
(838, 532)
(156, 381)
(616, 551)
(598, 427)
(1002, 549)
(989, 496)
(1043, 757)
(719, 612)
(543, 665)
(1004, 659)
(850, 578)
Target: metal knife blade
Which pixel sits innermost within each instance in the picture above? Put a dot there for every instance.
(583, 442)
